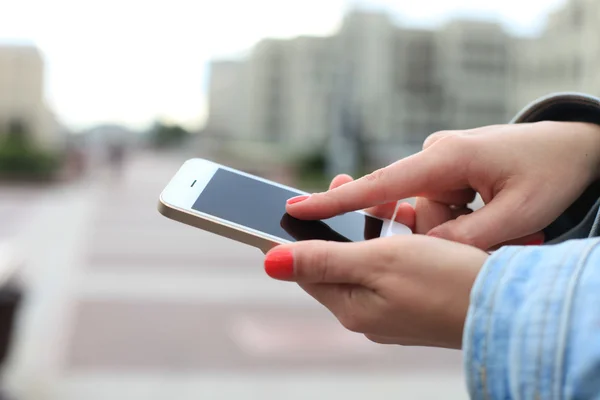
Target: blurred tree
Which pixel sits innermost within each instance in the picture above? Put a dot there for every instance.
(311, 168)
(17, 132)
(313, 163)
(21, 159)
(167, 136)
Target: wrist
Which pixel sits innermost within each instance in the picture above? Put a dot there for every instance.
(586, 141)
(592, 151)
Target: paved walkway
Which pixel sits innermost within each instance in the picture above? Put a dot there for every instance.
(126, 304)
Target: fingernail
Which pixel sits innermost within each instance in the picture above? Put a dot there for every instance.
(297, 199)
(536, 242)
(279, 264)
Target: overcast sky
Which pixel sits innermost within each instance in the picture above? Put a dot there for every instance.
(130, 62)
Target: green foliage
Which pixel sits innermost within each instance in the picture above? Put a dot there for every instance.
(311, 169)
(314, 163)
(19, 158)
(165, 136)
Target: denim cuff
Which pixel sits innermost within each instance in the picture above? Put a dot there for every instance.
(517, 333)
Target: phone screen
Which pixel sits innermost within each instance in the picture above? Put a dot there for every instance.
(261, 206)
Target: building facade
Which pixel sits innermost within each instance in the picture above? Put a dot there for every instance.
(225, 102)
(22, 101)
(395, 85)
(564, 57)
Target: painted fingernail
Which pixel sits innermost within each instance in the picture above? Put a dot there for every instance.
(279, 264)
(297, 199)
(536, 242)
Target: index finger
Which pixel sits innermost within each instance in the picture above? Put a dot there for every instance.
(426, 171)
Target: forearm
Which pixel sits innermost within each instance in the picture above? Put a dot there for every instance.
(532, 328)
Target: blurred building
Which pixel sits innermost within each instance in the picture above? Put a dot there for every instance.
(280, 94)
(474, 63)
(564, 57)
(22, 102)
(225, 97)
(397, 85)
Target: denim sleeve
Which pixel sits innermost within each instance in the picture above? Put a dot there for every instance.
(578, 220)
(533, 327)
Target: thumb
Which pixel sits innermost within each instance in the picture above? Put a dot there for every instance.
(318, 262)
(495, 223)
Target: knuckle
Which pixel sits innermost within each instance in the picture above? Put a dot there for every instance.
(379, 187)
(316, 197)
(330, 199)
(320, 262)
(387, 255)
(444, 136)
(457, 141)
(454, 231)
(434, 137)
(462, 234)
(376, 176)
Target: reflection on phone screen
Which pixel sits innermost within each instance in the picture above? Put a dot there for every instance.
(318, 230)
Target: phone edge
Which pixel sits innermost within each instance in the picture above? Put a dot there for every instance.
(229, 232)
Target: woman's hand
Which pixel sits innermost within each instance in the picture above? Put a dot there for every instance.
(526, 174)
(409, 290)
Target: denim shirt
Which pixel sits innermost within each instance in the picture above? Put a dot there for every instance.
(533, 326)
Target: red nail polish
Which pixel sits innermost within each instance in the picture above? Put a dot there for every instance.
(279, 264)
(537, 242)
(297, 199)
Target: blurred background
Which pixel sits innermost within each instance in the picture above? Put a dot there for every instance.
(102, 101)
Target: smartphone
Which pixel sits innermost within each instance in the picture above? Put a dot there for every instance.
(251, 210)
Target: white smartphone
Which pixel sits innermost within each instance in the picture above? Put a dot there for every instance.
(251, 210)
